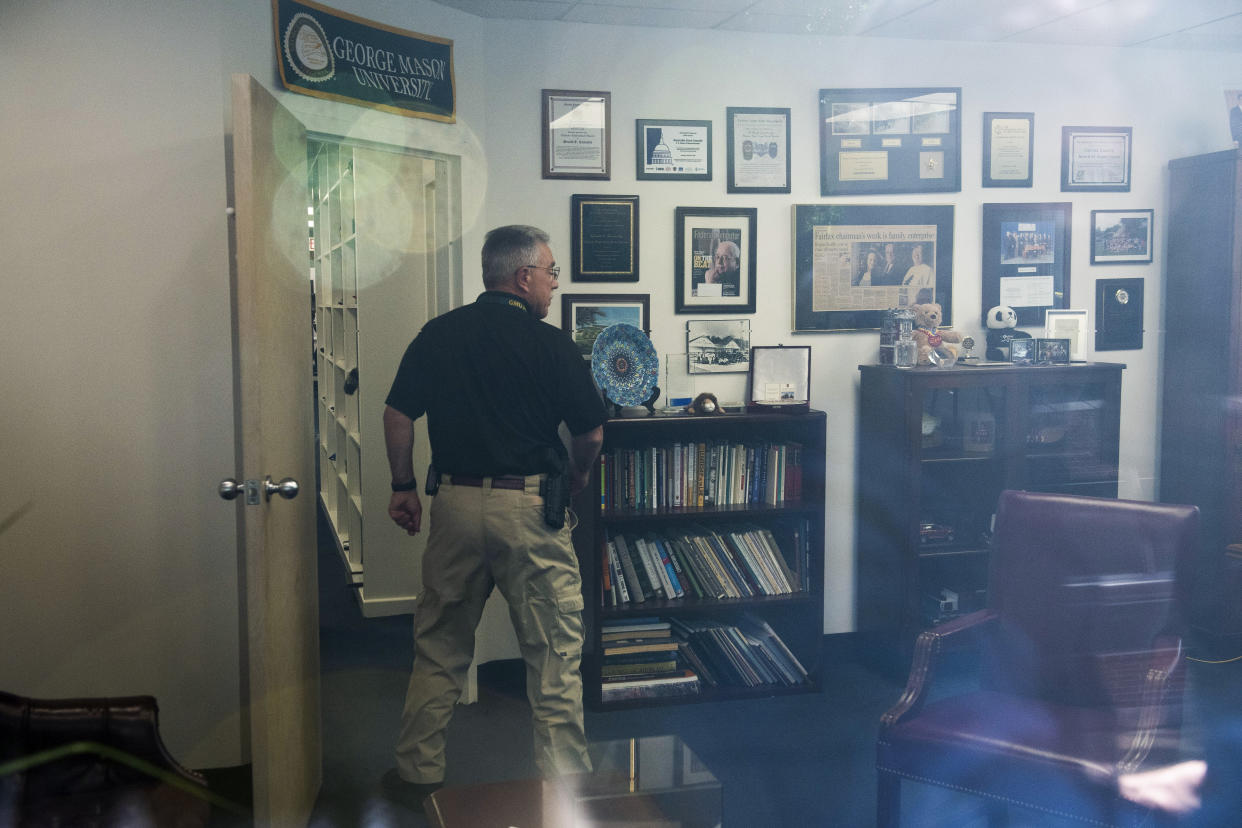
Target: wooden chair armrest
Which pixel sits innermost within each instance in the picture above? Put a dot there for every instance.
(927, 652)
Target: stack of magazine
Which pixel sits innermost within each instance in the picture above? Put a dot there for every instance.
(641, 659)
(731, 562)
(748, 653)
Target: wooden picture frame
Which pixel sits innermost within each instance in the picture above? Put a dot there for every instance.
(834, 244)
(758, 149)
(1122, 236)
(881, 141)
(700, 233)
(1095, 159)
(577, 134)
(584, 316)
(1008, 149)
(667, 149)
(1026, 259)
(604, 238)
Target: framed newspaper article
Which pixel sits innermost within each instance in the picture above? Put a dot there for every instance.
(852, 262)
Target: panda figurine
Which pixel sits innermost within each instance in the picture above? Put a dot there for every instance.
(1002, 329)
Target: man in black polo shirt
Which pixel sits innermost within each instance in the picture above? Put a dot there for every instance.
(495, 383)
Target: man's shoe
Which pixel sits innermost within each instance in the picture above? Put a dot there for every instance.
(409, 794)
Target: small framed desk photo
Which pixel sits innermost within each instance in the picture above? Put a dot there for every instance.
(780, 379)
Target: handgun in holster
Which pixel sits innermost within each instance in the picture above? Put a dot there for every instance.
(554, 488)
(433, 480)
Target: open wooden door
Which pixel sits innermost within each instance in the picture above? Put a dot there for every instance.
(277, 541)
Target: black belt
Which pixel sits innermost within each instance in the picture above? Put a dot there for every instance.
(505, 482)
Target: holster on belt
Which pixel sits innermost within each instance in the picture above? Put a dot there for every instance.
(554, 488)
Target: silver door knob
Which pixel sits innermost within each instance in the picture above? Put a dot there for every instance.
(287, 488)
(229, 488)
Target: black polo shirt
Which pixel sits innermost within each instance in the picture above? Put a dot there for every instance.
(495, 383)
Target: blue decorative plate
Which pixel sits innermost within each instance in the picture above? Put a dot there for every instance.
(625, 364)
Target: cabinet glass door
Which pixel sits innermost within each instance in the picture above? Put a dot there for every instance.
(1071, 440)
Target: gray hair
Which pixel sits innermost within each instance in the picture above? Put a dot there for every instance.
(505, 249)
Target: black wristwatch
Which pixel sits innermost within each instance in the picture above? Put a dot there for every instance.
(408, 486)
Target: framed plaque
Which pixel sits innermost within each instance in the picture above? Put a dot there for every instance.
(877, 141)
(1118, 314)
(1008, 149)
(670, 150)
(605, 238)
(1095, 159)
(715, 265)
(852, 262)
(1026, 250)
(576, 134)
(1070, 325)
(1121, 236)
(758, 149)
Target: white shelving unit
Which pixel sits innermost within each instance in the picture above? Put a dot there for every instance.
(387, 258)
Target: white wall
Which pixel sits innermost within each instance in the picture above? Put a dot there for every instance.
(118, 415)
(1172, 100)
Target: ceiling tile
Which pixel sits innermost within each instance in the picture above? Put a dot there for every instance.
(972, 19)
(726, 6)
(630, 16)
(511, 9)
(1125, 22)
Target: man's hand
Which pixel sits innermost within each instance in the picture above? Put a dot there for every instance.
(406, 510)
(712, 275)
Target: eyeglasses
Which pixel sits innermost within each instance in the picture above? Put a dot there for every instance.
(555, 271)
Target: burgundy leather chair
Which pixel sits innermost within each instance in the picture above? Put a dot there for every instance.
(1080, 665)
(115, 770)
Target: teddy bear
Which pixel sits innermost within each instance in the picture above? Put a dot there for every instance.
(927, 318)
(1002, 322)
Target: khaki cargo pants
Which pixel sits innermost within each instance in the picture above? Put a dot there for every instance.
(482, 537)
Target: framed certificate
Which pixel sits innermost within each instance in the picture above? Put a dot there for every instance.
(1008, 149)
(605, 238)
(758, 149)
(1095, 159)
(670, 150)
(576, 130)
(877, 141)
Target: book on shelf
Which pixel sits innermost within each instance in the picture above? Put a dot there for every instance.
(639, 669)
(748, 653)
(632, 582)
(682, 684)
(646, 624)
(612, 648)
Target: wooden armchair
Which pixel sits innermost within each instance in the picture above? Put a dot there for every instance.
(1081, 667)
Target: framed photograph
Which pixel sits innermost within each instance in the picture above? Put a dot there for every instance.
(1052, 351)
(715, 259)
(585, 315)
(718, 346)
(1026, 250)
(780, 378)
(1095, 159)
(877, 141)
(852, 262)
(1022, 351)
(758, 149)
(670, 150)
(1121, 236)
(576, 134)
(1118, 314)
(1008, 149)
(604, 233)
(1070, 325)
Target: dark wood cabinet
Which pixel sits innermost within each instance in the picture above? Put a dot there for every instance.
(935, 449)
(796, 523)
(1201, 422)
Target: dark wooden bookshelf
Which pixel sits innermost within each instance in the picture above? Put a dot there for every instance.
(798, 617)
(937, 446)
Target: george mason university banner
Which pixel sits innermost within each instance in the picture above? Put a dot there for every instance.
(341, 57)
